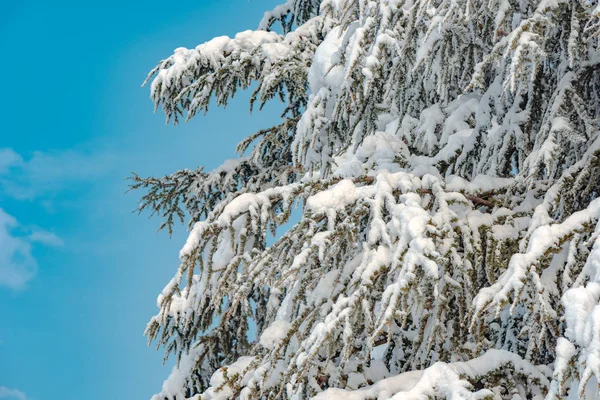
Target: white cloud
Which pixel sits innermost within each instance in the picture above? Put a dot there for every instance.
(45, 237)
(40, 177)
(11, 394)
(17, 263)
(8, 159)
(49, 172)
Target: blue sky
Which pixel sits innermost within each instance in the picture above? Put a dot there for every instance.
(79, 273)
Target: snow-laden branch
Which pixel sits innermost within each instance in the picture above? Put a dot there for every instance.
(187, 80)
(450, 381)
(443, 157)
(544, 239)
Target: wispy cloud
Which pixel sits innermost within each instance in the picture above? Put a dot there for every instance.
(48, 172)
(17, 263)
(11, 394)
(44, 237)
(8, 159)
(40, 176)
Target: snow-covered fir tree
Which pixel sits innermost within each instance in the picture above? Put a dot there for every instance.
(445, 159)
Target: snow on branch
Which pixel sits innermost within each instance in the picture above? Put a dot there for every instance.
(186, 81)
(442, 380)
(438, 163)
(290, 13)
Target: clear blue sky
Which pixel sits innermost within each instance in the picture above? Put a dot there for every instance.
(79, 273)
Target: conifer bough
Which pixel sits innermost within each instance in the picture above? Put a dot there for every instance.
(444, 155)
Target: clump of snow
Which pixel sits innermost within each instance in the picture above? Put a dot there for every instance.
(174, 387)
(274, 334)
(219, 391)
(380, 151)
(336, 197)
(324, 71)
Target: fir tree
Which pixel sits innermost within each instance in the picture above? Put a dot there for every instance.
(445, 156)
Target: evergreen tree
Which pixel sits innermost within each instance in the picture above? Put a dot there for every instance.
(445, 156)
